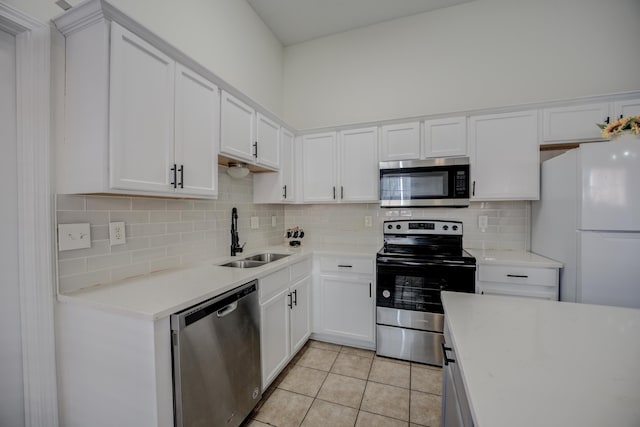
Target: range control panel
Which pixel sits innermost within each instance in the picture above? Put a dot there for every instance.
(414, 226)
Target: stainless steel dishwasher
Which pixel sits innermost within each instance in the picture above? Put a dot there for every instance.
(216, 359)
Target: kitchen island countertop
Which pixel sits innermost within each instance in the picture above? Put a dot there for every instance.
(536, 363)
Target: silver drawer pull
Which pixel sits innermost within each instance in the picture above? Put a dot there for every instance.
(518, 275)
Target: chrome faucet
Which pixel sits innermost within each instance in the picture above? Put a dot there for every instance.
(235, 239)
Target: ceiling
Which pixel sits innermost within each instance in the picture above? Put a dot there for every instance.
(297, 21)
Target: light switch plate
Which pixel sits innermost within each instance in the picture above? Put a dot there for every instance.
(368, 222)
(74, 236)
(255, 222)
(483, 222)
(117, 235)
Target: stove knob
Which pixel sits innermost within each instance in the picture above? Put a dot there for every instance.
(398, 226)
(445, 227)
(389, 226)
(455, 227)
(386, 293)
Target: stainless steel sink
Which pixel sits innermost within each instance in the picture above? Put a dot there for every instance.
(266, 257)
(244, 263)
(255, 260)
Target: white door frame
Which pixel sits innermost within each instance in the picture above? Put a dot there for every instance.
(35, 251)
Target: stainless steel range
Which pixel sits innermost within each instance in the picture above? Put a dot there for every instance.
(419, 259)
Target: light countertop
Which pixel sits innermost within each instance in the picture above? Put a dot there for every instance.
(513, 258)
(531, 362)
(163, 293)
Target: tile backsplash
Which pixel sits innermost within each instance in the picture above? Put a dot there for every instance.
(160, 233)
(166, 233)
(508, 226)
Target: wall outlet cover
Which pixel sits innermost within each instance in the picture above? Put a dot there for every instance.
(255, 222)
(117, 235)
(483, 222)
(74, 236)
(368, 221)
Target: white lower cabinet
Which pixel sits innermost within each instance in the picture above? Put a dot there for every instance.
(455, 403)
(285, 318)
(344, 300)
(528, 282)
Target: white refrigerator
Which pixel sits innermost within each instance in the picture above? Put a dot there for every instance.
(588, 218)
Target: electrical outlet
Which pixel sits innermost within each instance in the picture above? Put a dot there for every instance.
(368, 222)
(255, 222)
(483, 222)
(117, 233)
(274, 220)
(74, 236)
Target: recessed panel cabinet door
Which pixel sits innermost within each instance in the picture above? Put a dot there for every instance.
(504, 156)
(274, 335)
(196, 135)
(319, 167)
(237, 127)
(359, 169)
(400, 142)
(347, 307)
(300, 314)
(268, 140)
(141, 114)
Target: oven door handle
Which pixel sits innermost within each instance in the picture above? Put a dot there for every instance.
(386, 262)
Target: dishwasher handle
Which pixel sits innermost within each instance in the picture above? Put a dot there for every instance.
(228, 309)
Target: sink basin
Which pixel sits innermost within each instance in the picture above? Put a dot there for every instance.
(244, 263)
(266, 257)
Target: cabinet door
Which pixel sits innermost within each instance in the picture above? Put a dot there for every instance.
(574, 123)
(197, 117)
(401, 142)
(141, 114)
(445, 137)
(287, 166)
(626, 108)
(319, 167)
(268, 142)
(359, 170)
(347, 307)
(300, 314)
(274, 336)
(451, 416)
(504, 156)
(237, 124)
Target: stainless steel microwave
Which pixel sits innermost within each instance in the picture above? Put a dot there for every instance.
(442, 182)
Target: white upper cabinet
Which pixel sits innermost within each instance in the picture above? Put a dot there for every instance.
(341, 167)
(400, 142)
(278, 187)
(445, 137)
(504, 156)
(136, 121)
(248, 135)
(626, 108)
(359, 170)
(266, 146)
(319, 168)
(141, 114)
(237, 128)
(575, 123)
(197, 115)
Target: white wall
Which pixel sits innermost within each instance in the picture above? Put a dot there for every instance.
(226, 36)
(11, 383)
(482, 54)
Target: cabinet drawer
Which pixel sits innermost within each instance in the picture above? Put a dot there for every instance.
(300, 270)
(518, 290)
(347, 264)
(521, 275)
(273, 283)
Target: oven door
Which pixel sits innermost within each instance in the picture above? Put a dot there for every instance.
(417, 286)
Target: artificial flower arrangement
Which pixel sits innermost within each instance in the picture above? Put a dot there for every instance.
(623, 124)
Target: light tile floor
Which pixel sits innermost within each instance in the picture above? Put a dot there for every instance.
(333, 385)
